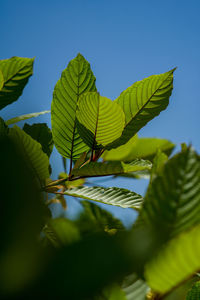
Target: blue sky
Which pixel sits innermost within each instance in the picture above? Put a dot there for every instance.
(124, 41)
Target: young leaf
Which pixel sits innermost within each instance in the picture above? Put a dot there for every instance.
(111, 168)
(37, 159)
(172, 201)
(143, 101)
(16, 72)
(177, 261)
(136, 147)
(102, 120)
(27, 116)
(112, 196)
(42, 134)
(75, 80)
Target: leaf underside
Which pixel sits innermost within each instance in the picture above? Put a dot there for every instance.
(112, 196)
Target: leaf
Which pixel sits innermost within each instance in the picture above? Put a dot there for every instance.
(61, 231)
(102, 120)
(16, 72)
(172, 202)
(75, 80)
(93, 169)
(97, 219)
(136, 147)
(112, 196)
(143, 101)
(113, 292)
(1, 80)
(194, 292)
(158, 164)
(3, 128)
(176, 262)
(42, 134)
(37, 159)
(135, 288)
(27, 116)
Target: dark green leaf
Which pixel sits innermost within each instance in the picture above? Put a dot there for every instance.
(42, 134)
(16, 72)
(194, 293)
(111, 168)
(36, 158)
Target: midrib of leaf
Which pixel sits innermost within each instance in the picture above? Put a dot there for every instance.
(148, 99)
(95, 133)
(73, 134)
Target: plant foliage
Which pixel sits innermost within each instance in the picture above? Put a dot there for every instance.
(94, 256)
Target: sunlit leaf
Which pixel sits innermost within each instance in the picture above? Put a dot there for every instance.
(102, 120)
(176, 262)
(16, 72)
(75, 80)
(172, 202)
(113, 196)
(143, 101)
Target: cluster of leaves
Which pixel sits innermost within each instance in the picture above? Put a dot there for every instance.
(95, 256)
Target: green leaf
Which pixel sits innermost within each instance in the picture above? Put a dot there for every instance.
(27, 116)
(97, 219)
(3, 128)
(136, 147)
(75, 80)
(194, 293)
(61, 231)
(42, 134)
(113, 292)
(93, 169)
(176, 262)
(143, 101)
(37, 159)
(135, 288)
(172, 202)
(16, 72)
(158, 164)
(102, 120)
(112, 196)
(1, 80)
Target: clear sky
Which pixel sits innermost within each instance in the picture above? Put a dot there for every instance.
(125, 41)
